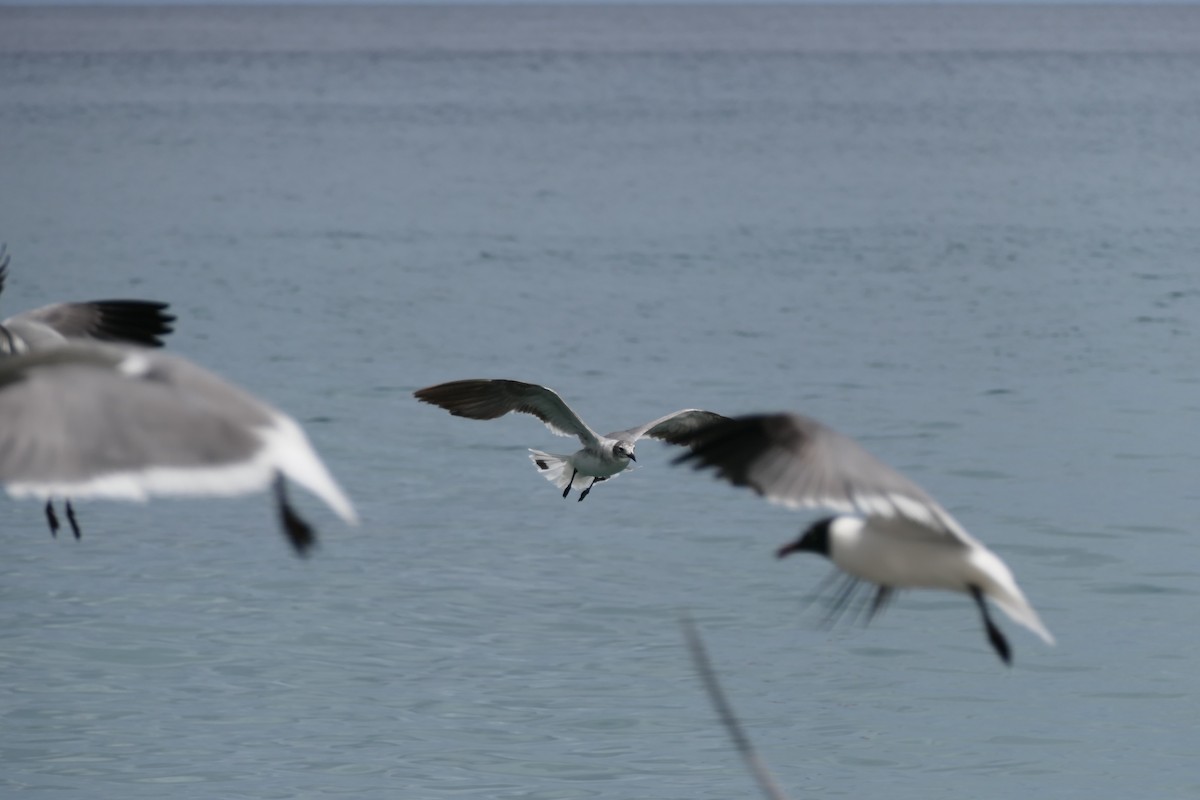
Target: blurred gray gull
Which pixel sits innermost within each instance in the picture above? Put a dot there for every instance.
(133, 321)
(122, 422)
(600, 458)
(888, 532)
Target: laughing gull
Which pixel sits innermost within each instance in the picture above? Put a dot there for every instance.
(890, 532)
(123, 422)
(133, 321)
(601, 457)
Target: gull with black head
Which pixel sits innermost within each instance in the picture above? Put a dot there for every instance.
(600, 458)
(888, 532)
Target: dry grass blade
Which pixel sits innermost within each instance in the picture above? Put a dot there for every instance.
(744, 746)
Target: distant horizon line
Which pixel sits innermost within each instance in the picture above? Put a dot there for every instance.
(594, 3)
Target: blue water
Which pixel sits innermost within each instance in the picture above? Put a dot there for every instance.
(967, 237)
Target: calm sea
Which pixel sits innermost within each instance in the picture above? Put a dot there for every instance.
(968, 236)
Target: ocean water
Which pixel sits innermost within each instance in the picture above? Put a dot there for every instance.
(966, 236)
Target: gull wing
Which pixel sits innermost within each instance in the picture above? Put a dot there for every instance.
(133, 321)
(678, 427)
(798, 462)
(493, 398)
(121, 422)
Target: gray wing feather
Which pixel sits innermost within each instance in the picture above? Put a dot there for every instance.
(493, 398)
(678, 427)
(799, 462)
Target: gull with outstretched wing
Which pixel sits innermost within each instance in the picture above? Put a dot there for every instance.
(600, 458)
(888, 531)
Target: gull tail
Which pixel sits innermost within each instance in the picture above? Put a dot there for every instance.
(1020, 611)
(294, 456)
(557, 469)
(1001, 586)
(995, 579)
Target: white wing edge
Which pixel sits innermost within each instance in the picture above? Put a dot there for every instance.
(892, 504)
(557, 431)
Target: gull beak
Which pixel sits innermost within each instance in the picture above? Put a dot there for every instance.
(788, 549)
(632, 457)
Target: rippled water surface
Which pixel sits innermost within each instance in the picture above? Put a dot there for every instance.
(968, 237)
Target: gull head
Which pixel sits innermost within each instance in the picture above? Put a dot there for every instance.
(815, 539)
(623, 450)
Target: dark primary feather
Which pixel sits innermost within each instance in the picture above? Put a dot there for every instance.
(479, 399)
(133, 321)
(487, 398)
(734, 446)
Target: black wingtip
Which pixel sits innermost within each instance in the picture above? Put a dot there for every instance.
(298, 532)
(142, 322)
(730, 447)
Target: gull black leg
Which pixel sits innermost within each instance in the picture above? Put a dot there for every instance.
(590, 485)
(882, 595)
(999, 643)
(570, 483)
(71, 519)
(841, 601)
(52, 518)
(298, 532)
